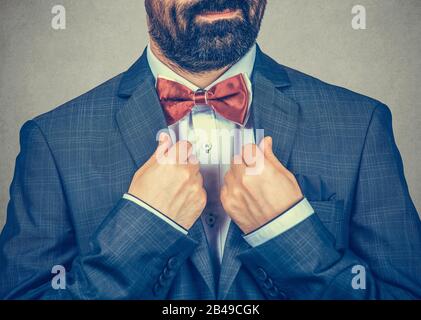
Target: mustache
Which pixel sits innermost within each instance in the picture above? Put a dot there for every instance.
(204, 6)
(218, 5)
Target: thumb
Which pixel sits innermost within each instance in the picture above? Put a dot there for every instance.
(164, 144)
(266, 146)
(164, 140)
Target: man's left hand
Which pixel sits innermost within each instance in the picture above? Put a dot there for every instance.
(258, 188)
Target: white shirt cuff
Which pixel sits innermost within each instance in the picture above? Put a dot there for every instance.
(160, 215)
(281, 224)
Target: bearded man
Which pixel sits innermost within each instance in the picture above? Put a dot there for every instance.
(296, 213)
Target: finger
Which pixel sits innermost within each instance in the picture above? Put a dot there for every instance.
(164, 144)
(193, 160)
(184, 151)
(199, 179)
(237, 160)
(266, 146)
(237, 165)
(180, 152)
(229, 178)
(193, 165)
(251, 155)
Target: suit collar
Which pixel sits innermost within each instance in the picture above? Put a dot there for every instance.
(135, 76)
(272, 71)
(140, 118)
(274, 111)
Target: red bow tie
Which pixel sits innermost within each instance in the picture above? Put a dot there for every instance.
(229, 98)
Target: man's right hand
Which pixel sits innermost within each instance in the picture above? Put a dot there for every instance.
(170, 182)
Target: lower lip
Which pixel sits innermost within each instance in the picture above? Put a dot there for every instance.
(226, 14)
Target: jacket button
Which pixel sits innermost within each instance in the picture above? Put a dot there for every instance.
(166, 273)
(268, 284)
(261, 274)
(162, 279)
(172, 263)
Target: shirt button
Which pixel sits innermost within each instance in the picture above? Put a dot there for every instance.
(207, 147)
(210, 219)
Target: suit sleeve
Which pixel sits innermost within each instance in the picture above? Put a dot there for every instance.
(133, 254)
(383, 259)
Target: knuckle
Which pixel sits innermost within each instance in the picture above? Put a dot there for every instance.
(235, 160)
(248, 148)
(192, 165)
(195, 188)
(187, 144)
(194, 162)
(245, 179)
(195, 167)
(229, 205)
(185, 172)
(229, 177)
(289, 174)
(236, 192)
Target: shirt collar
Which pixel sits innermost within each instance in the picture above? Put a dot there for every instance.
(244, 66)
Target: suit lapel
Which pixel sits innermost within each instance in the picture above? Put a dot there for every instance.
(277, 115)
(234, 245)
(273, 111)
(141, 117)
(139, 121)
(201, 256)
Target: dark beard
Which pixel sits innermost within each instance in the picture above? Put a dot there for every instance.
(202, 47)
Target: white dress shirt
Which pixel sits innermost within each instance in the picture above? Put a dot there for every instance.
(215, 142)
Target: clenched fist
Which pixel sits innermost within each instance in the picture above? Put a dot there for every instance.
(170, 181)
(252, 200)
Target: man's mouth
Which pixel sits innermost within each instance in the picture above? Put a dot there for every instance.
(217, 15)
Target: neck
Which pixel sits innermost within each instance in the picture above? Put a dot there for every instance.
(201, 80)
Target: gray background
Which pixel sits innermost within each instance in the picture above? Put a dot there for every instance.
(41, 68)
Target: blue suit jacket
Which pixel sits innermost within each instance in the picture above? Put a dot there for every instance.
(77, 161)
